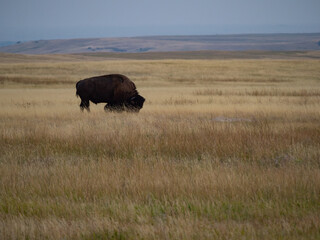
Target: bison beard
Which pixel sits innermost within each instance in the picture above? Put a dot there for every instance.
(118, 91)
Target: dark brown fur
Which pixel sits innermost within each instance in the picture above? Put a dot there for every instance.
(118, 91)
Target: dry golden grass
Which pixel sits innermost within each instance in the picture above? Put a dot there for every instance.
(221, 150)
(166, 72)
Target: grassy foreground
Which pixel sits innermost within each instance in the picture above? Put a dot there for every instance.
(223, 149)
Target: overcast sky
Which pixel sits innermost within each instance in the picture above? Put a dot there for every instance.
(53, 19)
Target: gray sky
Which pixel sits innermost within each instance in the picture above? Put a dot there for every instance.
(52, 19)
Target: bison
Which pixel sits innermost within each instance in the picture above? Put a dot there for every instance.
(117, 90)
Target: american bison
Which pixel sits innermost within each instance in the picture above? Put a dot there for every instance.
(118, 91)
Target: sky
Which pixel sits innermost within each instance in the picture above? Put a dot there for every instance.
(22, 20)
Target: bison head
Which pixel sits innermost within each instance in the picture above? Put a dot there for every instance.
(135, 103)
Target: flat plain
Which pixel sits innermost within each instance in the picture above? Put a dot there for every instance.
(224, 148)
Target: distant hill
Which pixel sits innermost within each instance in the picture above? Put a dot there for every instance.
(263, 42)
(6, 43)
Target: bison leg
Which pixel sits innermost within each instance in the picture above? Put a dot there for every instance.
(112, 107)
(85, 104)
(107, 107)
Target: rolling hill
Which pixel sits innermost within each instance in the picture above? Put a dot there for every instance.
(264, 42)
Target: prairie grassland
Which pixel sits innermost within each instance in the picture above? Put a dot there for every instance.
(223, 149)
(166, 72)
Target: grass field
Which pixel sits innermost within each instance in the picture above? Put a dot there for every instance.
(223, 149)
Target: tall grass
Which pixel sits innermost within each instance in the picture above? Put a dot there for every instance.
(211, 160)
(262, 92)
